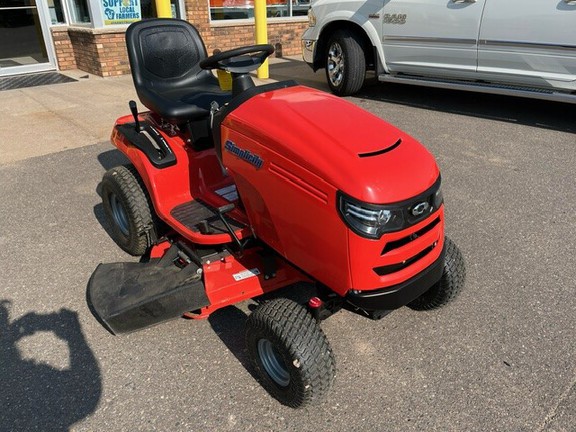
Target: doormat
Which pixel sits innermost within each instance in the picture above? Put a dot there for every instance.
(33, 80)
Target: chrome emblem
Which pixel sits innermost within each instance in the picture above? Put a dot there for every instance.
(420, 208)
(384, 217)
(395, 19)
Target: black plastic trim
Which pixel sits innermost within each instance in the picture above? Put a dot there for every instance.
(160, 157)
(393, 268)
(382, 151)
(410, 238)
(399, 295)
(129, 296)
(192, 213)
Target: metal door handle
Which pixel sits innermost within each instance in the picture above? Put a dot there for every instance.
(474, 1)
(570, 2)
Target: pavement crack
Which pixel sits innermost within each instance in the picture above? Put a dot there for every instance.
(554, 410)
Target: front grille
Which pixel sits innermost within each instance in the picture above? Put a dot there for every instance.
(405, 240)
(387, 269)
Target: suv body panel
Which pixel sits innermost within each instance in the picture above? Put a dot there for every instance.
(528, 45)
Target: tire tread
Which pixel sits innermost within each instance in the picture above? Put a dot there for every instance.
(354, 63)
(125, 181)
(449, 286)
(297, 330)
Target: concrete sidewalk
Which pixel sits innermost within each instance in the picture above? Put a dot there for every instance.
(36, 121)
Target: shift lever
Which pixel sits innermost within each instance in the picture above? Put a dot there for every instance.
(134, 110)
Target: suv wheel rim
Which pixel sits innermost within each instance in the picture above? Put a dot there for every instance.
(119, 214)
(335, 64)
(273, 363)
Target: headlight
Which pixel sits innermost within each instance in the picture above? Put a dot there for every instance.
(370, 220)
(311, 18)
(438, 198)
(373, 220)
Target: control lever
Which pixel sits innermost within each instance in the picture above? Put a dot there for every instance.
(134, 111)
(221, 212)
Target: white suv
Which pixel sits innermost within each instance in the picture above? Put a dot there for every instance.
(521, 47)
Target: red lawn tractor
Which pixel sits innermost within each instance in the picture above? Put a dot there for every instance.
(279, 193)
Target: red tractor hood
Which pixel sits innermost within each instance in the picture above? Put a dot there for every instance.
(349, 148)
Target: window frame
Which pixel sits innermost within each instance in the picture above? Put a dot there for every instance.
(250, 20)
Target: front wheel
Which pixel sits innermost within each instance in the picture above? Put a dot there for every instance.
(345, 63)
(290, 353)
(449, 285)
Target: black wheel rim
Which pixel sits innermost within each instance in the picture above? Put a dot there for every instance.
(119, 214)
(273, 363)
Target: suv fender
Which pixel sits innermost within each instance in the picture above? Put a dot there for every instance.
(355, 22)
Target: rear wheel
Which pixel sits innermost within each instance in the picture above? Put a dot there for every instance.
(290, 353)
(128, 210)
(345, 63)
(449, 286)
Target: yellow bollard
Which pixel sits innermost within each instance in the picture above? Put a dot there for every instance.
(261, 33)
(163, 8)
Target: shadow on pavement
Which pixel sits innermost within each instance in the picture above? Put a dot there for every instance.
(101, 218)
(228, 324)
(530, 112)
(290, 69)
(36, 395)
(112, 158)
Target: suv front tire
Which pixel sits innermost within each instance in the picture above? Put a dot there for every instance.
(345, 63)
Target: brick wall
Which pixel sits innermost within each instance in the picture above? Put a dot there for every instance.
(85, 50)
(112, 53)
(64, 49)
(103, 51)
(97, 51)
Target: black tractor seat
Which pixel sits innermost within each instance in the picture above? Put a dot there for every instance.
(164, 58)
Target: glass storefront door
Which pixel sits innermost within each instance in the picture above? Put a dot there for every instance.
(23, 36)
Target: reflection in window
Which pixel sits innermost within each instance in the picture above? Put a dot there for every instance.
(243, 9)
(79, 11)
(29, 47)
(17, 3)
(56, 12)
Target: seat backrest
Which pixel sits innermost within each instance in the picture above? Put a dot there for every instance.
(164, 53)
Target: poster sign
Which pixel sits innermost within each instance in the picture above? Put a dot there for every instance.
(121, 11)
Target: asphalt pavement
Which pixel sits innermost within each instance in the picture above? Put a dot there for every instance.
(500, 358)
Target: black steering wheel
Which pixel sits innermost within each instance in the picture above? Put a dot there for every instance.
(239, 60)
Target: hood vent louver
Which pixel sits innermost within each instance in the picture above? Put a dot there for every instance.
(382, 151)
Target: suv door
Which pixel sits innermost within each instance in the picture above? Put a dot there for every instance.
(432, 37)
(530, 42)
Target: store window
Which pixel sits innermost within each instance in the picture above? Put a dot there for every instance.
(149, 9)
(79, 12)
(244, 9)
(56, 12)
